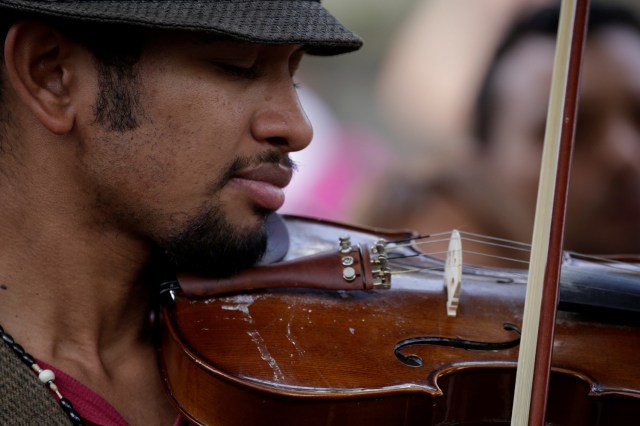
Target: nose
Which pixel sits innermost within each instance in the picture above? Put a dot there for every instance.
(281, 121)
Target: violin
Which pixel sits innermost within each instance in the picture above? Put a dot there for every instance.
(383, 349)
(372, 333)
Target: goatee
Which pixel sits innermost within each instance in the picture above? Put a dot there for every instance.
(211, 246)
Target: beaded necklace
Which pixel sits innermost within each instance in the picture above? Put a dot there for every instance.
(46, 377)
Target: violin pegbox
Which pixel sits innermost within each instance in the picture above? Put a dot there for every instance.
(453, 273)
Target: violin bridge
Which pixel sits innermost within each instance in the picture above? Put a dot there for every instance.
(453, 273)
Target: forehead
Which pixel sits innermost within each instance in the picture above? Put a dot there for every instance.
(611, 58)
(612, 61)
(521, 81)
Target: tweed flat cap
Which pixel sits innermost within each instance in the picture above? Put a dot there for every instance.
(304, 22)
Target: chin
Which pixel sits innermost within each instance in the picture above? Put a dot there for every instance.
(218, 245)
(248, 220)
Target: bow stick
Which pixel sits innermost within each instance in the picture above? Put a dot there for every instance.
(534, 359)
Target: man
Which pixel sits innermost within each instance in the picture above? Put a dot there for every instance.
(495, 195)
(134, 135)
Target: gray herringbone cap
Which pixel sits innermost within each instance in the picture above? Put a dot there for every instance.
(304, 22)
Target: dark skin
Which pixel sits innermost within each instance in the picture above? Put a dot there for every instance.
(603, 202)
(86, 209)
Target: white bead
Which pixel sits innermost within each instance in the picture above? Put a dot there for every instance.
(46, 376)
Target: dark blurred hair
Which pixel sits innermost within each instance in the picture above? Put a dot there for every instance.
(544, 22)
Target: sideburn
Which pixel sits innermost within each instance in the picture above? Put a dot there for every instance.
(116, 58)
(118, 105)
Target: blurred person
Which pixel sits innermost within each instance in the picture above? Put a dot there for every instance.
(495, 192)
(431, 93)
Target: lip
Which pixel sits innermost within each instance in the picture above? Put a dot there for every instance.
(264, 184)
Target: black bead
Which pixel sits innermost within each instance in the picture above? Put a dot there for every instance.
(75, 418)
(66, 405)
(27, 359)
(71, 413)
(7, 338)
(17, 349)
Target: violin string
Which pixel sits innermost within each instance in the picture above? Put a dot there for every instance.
(414, 240)
(464, 251)
(411, 240)
(422, 253)
(488, 241)
(411, 270)
(485, 240)
(419, 240)
(611, 263)
(493, 256)
(492, 244)
(465, 236)
(439, 269)
(488, 237)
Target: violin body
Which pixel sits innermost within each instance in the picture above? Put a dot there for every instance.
(333, 357)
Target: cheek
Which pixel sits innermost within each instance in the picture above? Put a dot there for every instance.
(586, 186)
(191, 131)
(517, 148)
(195, 111)
(518, 166)
(191, 140)
(514, 173)
(201, 121)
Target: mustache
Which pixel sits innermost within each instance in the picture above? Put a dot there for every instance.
(267, 157)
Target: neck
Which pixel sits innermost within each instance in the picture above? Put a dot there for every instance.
(76, 290)
(71, 290)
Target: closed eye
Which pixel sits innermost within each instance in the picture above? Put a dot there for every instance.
(249, 73)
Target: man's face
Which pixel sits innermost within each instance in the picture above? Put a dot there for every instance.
(208, 158)
(604, 194)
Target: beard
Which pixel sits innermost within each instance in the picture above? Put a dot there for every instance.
(210, 246)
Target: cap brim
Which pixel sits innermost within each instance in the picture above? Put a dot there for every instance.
(304, 22)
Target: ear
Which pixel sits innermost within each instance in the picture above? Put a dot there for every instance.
(38, 66)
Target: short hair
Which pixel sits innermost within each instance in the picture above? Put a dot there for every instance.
(544, 22)
(115, 49)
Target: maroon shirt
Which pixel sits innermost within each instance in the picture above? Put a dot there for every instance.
(93, 409)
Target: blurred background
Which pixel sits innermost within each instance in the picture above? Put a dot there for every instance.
(403, 102)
